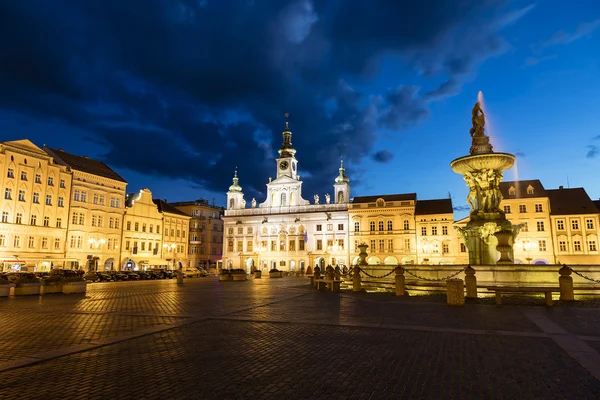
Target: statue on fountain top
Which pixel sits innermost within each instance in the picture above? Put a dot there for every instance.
(478, 121)
(480, 143)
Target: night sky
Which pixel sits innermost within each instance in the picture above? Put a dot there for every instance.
(174, 94)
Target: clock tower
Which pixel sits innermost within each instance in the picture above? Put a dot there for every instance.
(287, 165)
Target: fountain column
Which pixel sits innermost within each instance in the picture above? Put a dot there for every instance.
(489, 236)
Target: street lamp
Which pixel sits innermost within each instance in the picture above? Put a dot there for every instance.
(171, 247)
(95, 244)
(526, 248)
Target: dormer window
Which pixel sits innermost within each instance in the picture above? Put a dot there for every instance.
(530, 189)
(380, 202)
(512, 191)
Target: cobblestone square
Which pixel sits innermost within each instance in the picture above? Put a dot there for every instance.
(275, 338)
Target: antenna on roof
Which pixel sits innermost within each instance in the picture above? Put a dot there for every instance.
(568, 182)
(449, 195)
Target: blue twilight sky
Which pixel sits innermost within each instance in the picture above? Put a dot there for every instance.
(173, 94)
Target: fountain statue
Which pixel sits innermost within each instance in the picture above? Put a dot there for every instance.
(488, 233)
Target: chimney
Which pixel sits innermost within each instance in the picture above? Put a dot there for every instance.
(560, 187)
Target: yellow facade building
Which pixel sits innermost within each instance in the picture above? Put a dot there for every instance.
(386, 223)
(175, 235)
(96, 211)
(142, 233)
(205, 236)
(575, 222)
(437, 241)
(526, 203)
(34, 207)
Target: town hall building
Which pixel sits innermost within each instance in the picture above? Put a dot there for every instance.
(286, 231)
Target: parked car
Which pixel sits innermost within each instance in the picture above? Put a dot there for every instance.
(191, 273)
(104, 276)
(133, 276)
(143, 275)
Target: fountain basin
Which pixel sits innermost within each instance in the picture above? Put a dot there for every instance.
(495, 161)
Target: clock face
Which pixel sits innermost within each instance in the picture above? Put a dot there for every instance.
(283, 165)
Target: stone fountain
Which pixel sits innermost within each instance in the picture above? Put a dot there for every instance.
(489, 236)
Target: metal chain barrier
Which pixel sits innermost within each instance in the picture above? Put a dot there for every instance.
(376, 277)
(434, 280)
(583, 276)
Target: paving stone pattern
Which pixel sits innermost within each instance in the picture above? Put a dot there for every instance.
(269, 339)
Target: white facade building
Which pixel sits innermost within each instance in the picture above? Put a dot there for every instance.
(286, 231)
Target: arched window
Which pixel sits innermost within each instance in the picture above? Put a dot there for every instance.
(292, 199)
(283, 199)
(406, 225)
(372, 226)
(340, 197)
(231, 203)
(273, 200)
(380, 225)
(389, 225)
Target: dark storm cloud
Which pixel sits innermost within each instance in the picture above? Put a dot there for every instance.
(382, 156)
(189, 89)
(592, 151)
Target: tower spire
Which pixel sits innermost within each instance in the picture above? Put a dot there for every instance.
(286, 149)
(342, 176)
(235, 187)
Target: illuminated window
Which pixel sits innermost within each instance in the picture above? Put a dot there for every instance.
(357, 227)
(372, 226)
(589, 223)
(380, 224)
(389, 225)
(406, 225)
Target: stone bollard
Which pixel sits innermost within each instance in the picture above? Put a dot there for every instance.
(565, 281)
(317, 276)
(400, 288)
(455, 291)
(329, 276)
(356, 287)
(471, 282)
(179, 277)
(337, 275)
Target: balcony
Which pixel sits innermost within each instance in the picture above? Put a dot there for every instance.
(287, 210)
